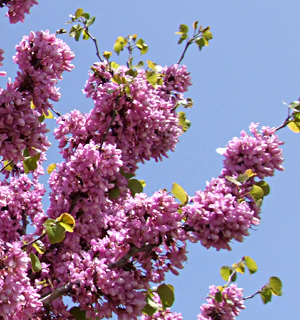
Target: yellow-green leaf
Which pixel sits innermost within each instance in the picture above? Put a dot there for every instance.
(51, 167)
(179, 193)
(67, 221)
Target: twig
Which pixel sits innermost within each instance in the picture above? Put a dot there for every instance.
(132, 251)
(6, 165)
(34, 240)
(57, 293)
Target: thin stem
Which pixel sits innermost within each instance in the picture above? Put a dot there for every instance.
(57, 293)
(286, 121)
(34, 240)
(86, 29)
(132, 251)
(184, 51)
(253, 295)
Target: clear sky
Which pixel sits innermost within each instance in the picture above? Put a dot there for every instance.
(252, 64)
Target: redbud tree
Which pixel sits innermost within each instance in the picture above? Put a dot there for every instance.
(102, 241)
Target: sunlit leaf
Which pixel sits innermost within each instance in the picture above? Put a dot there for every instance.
(67, 221)
(257, 193)
(9, 165)
(89, 22)
(151, 65)
(266, 294)
(51, 168)
(152, 77)
(35, 263)
(179, 193)
(55, 232)
(151, 307)
(265, 186)
(250, 264)
(78, 13)
(225, 272)
(183, 28)
(275, 285)
(31, 163)
(207, 35)
(39, 246)
(294, 126)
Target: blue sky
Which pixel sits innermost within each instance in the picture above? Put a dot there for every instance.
(252, 64)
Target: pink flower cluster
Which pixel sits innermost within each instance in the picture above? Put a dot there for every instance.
(17, 9)
(18, 299)
(139, 121)
(42, 58)
(2, 73)
(227, 309)
(20, 127)
(20, 199)
(261, 153)
(217, 216)
(224, 211)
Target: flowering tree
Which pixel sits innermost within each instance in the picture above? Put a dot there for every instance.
(102, 241)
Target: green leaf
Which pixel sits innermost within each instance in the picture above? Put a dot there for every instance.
(114, 65)
(66, 221)
(89, 22)
(294, 126)
(113, 193)
(78, 314)
(179, 193)
(55, 232)
(183, 121)
(257, 193)
(119, 45)
(39, 246)
(127, 175)
(139, 65)
(295, 105)
(85, 35)
(107, 54)
(166, 294)
(35, 263)
(183, 28)
(143, 183)
(135, 186)
(79, 13)
(201, 42)
(151, 307)
(276, 285)
(86, 15)
(266, 294)
(240, 268)
(78, 34)
(182, 38)
(242, 178)
(265, 186)
(10, 166)
(51, 168)
(225, 273)
(151, 65)
(250, 264)
(233, 180)
(142, 46)
(31, 163)
(207, 35)
(152, 77)
(218, 296)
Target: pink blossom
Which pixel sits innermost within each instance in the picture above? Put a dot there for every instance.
(229, 307)
(17, 9)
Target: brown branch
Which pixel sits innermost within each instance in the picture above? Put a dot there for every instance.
(132, 251)
(57, 293)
